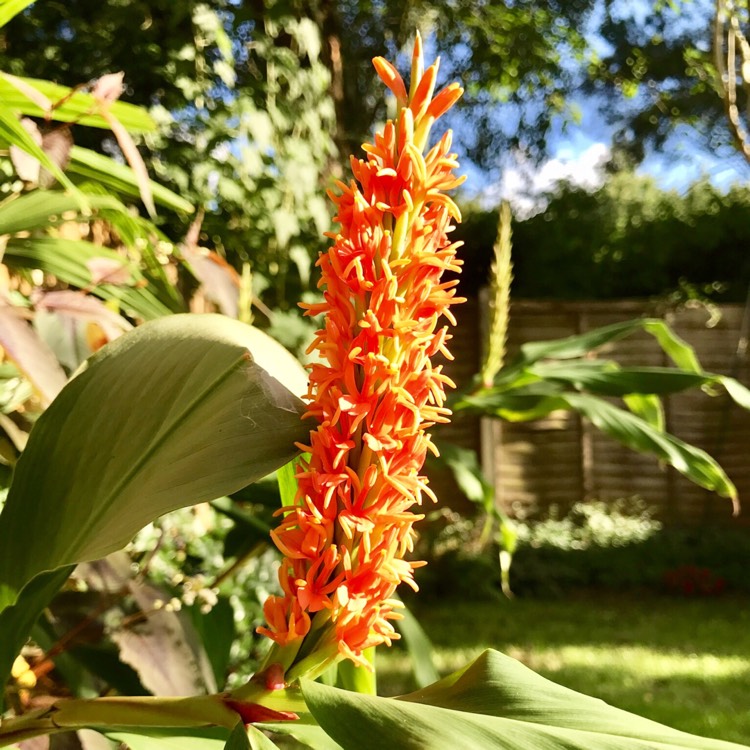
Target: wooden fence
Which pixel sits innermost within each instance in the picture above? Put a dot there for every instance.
(562, 459)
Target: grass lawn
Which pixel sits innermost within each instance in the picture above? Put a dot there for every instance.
(685, 663)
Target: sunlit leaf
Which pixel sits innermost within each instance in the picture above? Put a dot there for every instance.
(219, 281)
(176, 412)
(29, 91)
(121, 178)
(580, 345)
(287, 483)
(356, 677)
(648, 407)
(495, 703)
(69, 261)
(71, 305)
(70, 106)
(11, 8)
(24, 212)
(464, 466)
(637, 434)
(14, 133)
(419, 647)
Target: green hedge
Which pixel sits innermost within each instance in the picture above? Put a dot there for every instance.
(689, 562)
(628, 239)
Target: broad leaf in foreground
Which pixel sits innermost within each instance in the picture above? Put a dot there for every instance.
(176, 412)
(494, 703)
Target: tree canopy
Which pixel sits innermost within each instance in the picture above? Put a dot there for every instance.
(261, 102)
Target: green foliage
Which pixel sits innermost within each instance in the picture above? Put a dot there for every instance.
(243, 111)
(627, 239)
(547, 376)
(200, 374)
(603, 546)
(681, 662)
(656, 74)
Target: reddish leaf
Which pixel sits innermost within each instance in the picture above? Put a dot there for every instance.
(83, 307)
(108, 88)
(30, 354)
(56, 144)
(108, 271)
(133, 157)
(220, 282)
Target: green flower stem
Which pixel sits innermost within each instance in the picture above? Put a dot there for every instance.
(110, 713)
(315, 664)
(288, 699)
(32, 724)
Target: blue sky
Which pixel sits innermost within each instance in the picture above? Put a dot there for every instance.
(578, 150)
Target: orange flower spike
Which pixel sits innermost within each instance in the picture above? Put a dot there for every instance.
(373, 390)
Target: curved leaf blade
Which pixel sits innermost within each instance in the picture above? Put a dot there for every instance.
(173, 413)
(90, 165)
(33, 210)
(615, 381)
(635, 433)
(495, 702)
(578, 345)
(75, 106)
(11, 8)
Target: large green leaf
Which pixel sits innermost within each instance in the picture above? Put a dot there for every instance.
(69, 261)
(176, 412)
(120, 177)
(496, 702)
(74, 106)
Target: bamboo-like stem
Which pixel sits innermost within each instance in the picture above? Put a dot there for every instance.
(218, 710)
